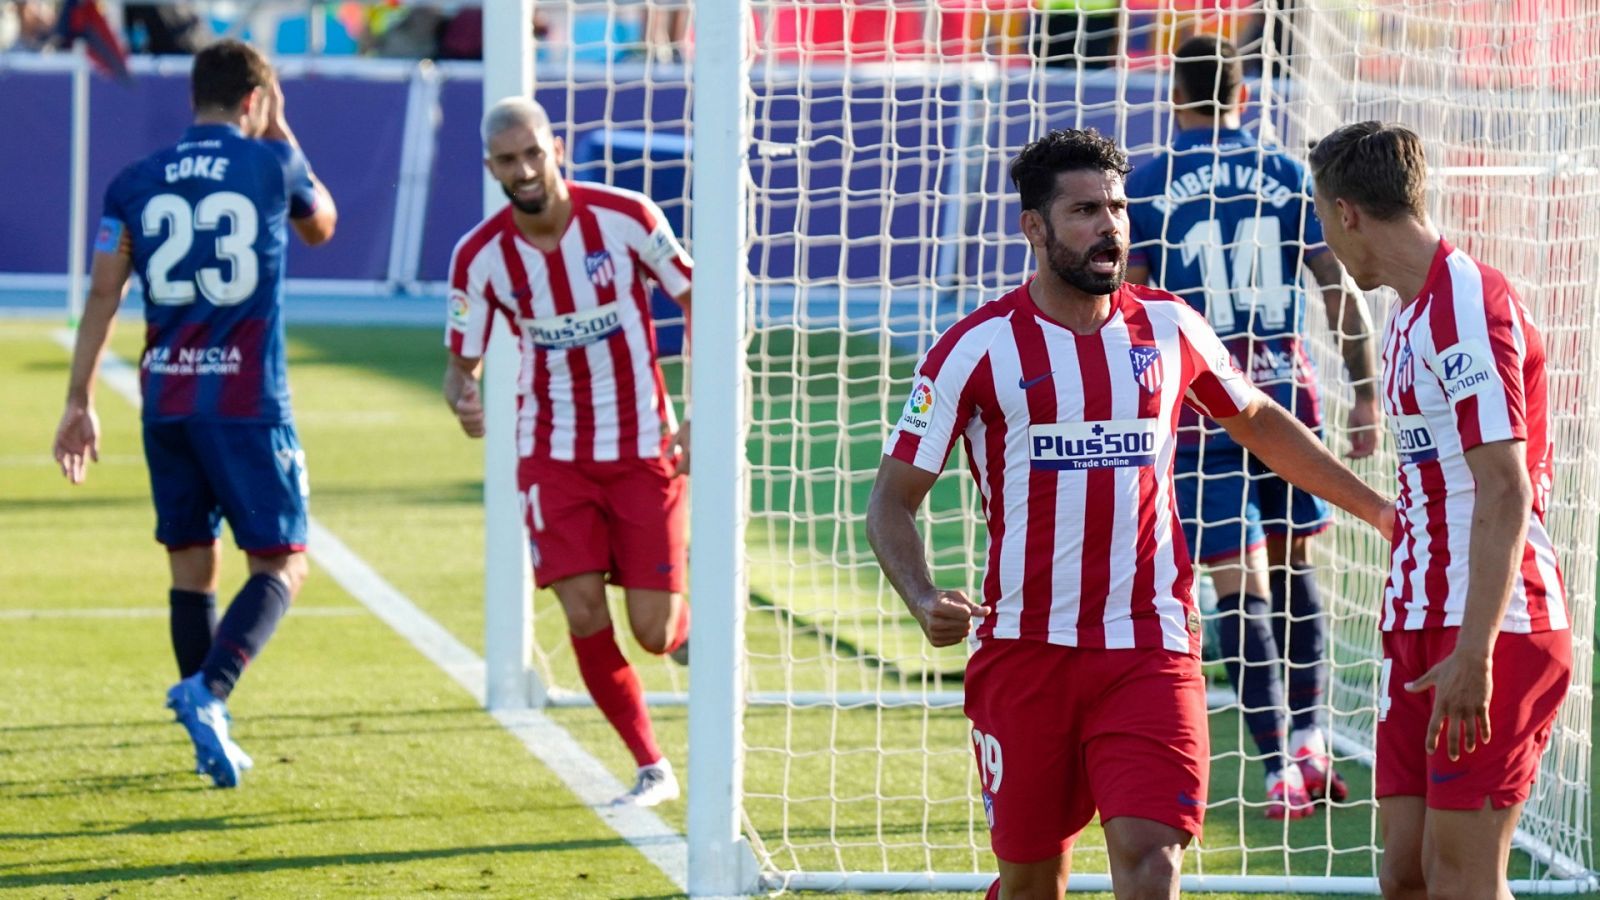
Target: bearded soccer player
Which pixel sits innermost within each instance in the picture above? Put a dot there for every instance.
(600, 454)
(1226, 223)
(203, 223)
(1477, 650)
(1084, 690)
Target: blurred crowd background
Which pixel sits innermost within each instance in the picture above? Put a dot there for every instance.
(1069, 33)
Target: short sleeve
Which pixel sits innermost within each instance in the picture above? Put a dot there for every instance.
(471, 305)
(662, 255)
(297, 180)
(1216, 386)
(942, 400)
(1480, 365)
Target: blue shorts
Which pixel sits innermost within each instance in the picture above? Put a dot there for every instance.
(254, 476)
(1229, 506)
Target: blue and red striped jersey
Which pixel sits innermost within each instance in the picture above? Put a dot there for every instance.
(207, 219)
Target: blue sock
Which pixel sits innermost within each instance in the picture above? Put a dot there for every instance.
(1251, 657)
(192, 617)
(251, 618)
(1303, 641)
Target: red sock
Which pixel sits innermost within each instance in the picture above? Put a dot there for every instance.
(682, 632)
(994, 891)
(615, 689)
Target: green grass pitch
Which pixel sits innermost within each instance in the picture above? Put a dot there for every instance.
(376, 775)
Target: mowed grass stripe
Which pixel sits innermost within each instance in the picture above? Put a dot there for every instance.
(376, 776)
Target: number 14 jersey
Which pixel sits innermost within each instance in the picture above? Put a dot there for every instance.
(207, 223)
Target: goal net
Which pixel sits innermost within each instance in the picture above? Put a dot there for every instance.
(876, 212)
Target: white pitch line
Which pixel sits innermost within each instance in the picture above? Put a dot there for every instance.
(151, 612)
(584, 776)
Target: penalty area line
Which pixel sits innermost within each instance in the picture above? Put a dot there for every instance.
(584, 775)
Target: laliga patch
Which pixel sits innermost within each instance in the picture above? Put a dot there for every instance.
(918, 415)
(108, 239)
(1413, 439)
(1112, 444)
(460, 308)
(1467, 369)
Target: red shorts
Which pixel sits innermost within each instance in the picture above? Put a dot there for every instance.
(625, 518)
(1530, 677)
(1062, 731)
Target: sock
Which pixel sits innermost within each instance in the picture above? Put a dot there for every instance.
(994, 891)
(1251, 658)
(192, 617)
(246, 627)
(1303, 645)
(682, 632)
(615, 688)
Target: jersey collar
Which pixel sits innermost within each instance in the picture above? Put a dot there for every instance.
(1202, 137)
(211, 130)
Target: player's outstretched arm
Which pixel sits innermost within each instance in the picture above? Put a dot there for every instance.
(1351, 320)
(78, 436)
(945, 616)
(1463, 681)
(462, 395)
(1291, 450)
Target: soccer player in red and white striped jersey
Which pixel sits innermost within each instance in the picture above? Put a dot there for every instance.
(569, 265)
(1085, 689)
(1474, 612)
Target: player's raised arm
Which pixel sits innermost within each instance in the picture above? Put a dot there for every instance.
(312, 212)
(78, 436)
(1290, 449)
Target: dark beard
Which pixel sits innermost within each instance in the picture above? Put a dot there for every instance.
(532, 208)
(1073, 268)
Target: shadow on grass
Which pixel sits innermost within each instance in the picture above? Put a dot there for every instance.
(111, 875)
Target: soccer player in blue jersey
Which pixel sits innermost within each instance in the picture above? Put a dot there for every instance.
(1227, 224)
(204, 225)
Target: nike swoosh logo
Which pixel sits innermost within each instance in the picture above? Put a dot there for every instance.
(1026, 383)
(1442, 777)
(1187, 800)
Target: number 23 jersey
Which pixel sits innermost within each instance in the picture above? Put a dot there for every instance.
(1070, 439)
(207, 224)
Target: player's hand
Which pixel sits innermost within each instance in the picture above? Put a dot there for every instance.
(1362, 426)
(679, 449)
(1385, 523)
(946, 616)
(77, 442)
(469, 408)
(277, 128)
(1462, 684)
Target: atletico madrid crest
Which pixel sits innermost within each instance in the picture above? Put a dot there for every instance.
(601, 268)
(1147, 367)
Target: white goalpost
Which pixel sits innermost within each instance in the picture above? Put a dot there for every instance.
(845, 160)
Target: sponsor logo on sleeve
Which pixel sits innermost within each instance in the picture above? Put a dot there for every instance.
(109, 237)
(1413, 440)
(918, 414)
(659, 248)
(1115, 443)
(460, 309)
(1467, 369)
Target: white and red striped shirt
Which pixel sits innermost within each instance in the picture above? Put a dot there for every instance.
(1070, 439)
(590, 387)
(1463, 365)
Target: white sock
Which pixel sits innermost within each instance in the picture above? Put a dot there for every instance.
(1310, 740)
